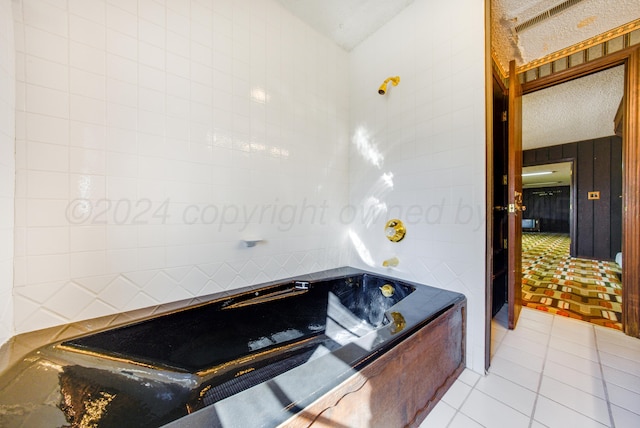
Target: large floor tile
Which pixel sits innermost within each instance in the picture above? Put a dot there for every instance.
(509, 393)
(456, 394)
(624, 398)
(515, 373)
(622, 379)
(521, 357)
(555, 415)
(543, 330)
(582, 365)
(574, 331)
(611, 336)
(587, 404)
(620, 363)
(440, 416)
(624, 418)
(567, 375)
(623, 351)
(496, 341)
(522, 342)
(590, 377)
(462, 421)
(539, 317)
(469, 377)
(536, 424)
(577, 349)
(490, 412)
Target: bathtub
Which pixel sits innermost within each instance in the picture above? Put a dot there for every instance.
(342, 347)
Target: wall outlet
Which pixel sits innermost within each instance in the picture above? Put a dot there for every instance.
(594, 195)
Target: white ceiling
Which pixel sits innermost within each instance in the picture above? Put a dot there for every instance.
(560, 175)
(577, 110)
(346, 22)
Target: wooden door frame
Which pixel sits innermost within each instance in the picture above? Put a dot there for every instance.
(630, 58)
(514, 198)
(488, 108)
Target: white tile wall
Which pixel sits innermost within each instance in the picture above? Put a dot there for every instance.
(418, 153)
(152, 137)
(7, 167)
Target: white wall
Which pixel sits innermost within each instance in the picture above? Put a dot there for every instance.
(418, 153)
(133, 118)
(153, 136)
(7, 167)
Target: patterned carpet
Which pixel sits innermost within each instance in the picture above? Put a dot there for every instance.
(552, 281)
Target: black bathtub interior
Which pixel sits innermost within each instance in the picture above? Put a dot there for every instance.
(202, 338)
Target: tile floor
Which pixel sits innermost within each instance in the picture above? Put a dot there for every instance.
(551, 371)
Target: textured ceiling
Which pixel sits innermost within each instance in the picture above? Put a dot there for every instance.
(347, 22)
(573, 111)
(581, 21)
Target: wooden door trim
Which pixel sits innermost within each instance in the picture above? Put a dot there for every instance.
(488, 95)
(514, 183)
(488, 289)
(631, 197)
(630, 57)
(575, 72)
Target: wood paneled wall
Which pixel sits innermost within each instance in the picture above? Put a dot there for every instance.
(597, 167)
(550, 205)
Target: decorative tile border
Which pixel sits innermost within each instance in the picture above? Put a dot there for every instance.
(44, 305)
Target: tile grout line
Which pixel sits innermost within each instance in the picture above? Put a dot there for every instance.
(603, 399)
(544, 364)
(474, 387)
(604, 382)
(462, 404)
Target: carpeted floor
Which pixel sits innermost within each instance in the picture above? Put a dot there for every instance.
(552, 281)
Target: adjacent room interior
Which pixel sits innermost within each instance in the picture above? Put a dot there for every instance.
(572, 191)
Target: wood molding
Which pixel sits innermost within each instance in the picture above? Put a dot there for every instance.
(593, 66)
(498, 66)
(488, 94)
(582, 46)
(630, 57)
(514, 161)
(631, 198)
(617, 120)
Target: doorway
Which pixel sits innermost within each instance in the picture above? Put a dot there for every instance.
(574, 121)
(554, 280)
(630, 59)
(547, 195)
(568, 132)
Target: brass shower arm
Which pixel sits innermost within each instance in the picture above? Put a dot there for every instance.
(383, 88)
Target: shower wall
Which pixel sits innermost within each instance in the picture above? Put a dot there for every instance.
(153, 139)
(418, 152)
(7, 167)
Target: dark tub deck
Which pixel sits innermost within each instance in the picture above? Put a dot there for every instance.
(321, 361)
